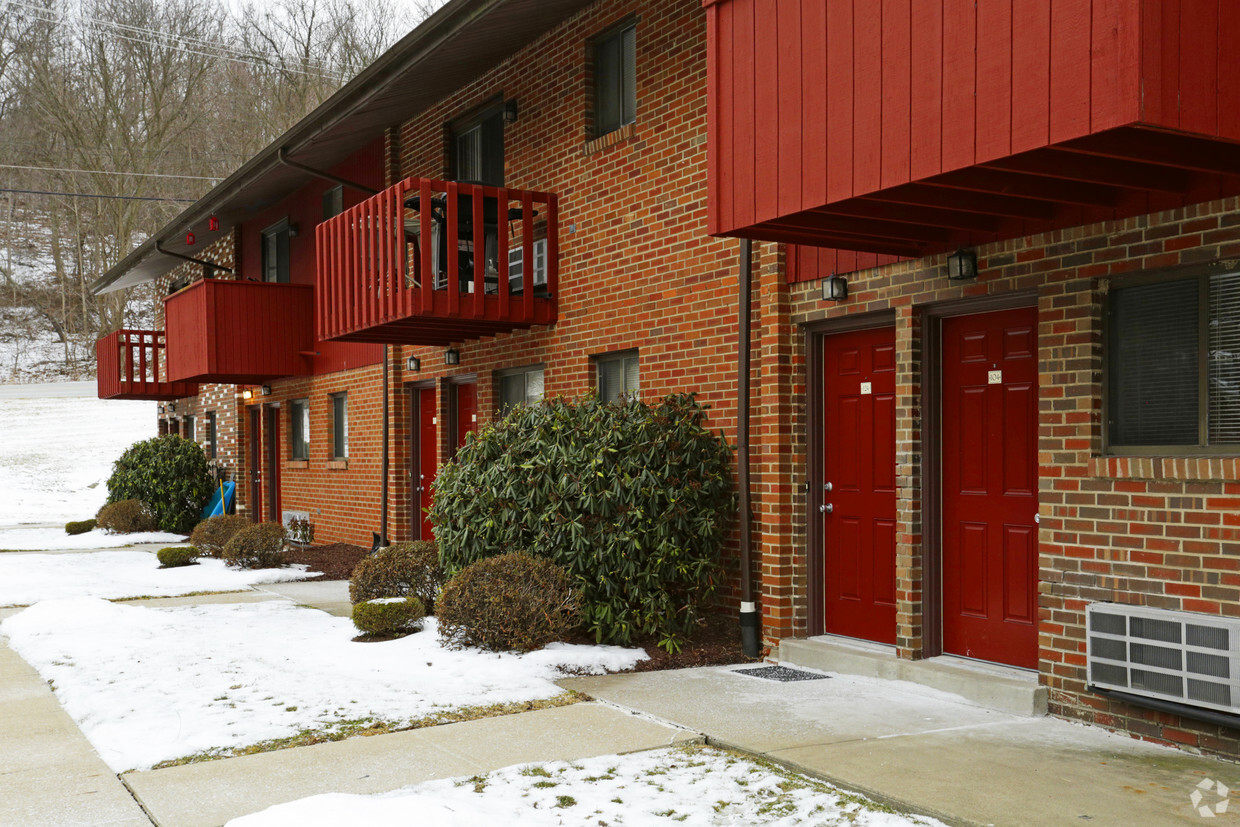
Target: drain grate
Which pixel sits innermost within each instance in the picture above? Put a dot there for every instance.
(781, 673)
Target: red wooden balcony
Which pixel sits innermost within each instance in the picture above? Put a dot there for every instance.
(379, 280)
(239, 332)
(908, 127)
(131, 365)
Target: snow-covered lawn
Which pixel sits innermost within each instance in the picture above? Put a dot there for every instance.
(29, 578)
(57, 451)
(696, 786)
(149, 685)
(55, 539)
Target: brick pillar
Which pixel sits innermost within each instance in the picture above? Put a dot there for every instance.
(910, 570)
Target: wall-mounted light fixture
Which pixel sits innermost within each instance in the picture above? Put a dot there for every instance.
(834, 288)
(266, 391)
(962, 264)
(451, 356)
(189, 238)
(292, 230)
(510, 110)
(161, 408)
(413, 364)
(213, 223)
(247, 394)
(172, 407)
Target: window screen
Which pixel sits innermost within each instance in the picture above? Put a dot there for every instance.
(479, 150)
(340, 425)
(618, 377)
(1224, 363)
(276, 253)
(299, 429)
(523, 387)
(615, 79)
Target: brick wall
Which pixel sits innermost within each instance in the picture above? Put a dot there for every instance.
(1154, 531)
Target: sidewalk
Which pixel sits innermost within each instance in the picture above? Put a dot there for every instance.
(927, 751)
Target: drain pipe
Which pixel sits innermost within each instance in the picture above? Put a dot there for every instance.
(383, 488)
(749, 612)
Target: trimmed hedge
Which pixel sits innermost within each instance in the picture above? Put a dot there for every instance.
(176, 556)
(126, 517)
(259, 546)
(510, 602)
(212, 534)
(79, 526)
(398, 570)
(388, 615)
(634, 500)
(167, 473)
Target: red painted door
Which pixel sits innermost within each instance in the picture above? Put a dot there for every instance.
(859, 496)
(256, 465)
(466, 411)
(425, 459)
(990, 486)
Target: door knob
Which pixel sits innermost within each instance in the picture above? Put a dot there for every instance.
(826, 508)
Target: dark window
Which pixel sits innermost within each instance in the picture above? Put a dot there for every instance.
(275, 252)
(299, 429)
(212, 436)
(1173, 364)
(523, 386)
(333, 202)
(340, 425)
(189, 428)
(615, 79)
(618, 376)
(478, 148)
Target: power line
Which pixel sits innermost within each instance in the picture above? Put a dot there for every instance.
(111, 172)
(91, 195)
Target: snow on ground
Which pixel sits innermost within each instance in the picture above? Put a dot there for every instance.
(55, 539)
(57, 450)
(148, 685)
(696, 786)
(29, 578)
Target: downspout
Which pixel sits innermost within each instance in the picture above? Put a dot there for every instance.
(208, 265)
(749, 613)
(383, 497)
(282, 157)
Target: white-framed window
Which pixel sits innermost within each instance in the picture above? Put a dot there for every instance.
(340, 425)
(615, 79)
(516, 266)
(299, 429)
(618, 375)
(522, 386)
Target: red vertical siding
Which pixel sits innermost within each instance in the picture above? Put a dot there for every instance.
(897, 92)
(1031, 74)
(926, 92)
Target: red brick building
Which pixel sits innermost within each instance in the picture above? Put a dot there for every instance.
(949, 457)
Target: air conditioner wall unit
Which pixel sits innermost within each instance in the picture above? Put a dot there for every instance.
(1183, 657)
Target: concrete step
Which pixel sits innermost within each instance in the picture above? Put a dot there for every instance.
(990, 685)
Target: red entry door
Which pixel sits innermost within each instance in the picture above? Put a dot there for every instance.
(990, 486)
(859, 496)
(425, 459)
(466, 411)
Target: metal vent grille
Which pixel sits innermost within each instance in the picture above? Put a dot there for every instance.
(1183, 657)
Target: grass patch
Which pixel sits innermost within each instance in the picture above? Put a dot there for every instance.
(363, 727)
(175, 596)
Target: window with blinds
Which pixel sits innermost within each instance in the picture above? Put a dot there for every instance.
(1163, 339)
(615, 79)
(478, 148)
(299, 429)
(618, 376)
(523, 386)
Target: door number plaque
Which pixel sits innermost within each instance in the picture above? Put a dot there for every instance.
(994, 377)
(866, 388)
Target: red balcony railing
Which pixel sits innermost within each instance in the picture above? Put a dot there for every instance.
(239, 332)
(434, 262)
(132, 365)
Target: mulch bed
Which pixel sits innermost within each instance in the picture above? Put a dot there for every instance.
(716, 642)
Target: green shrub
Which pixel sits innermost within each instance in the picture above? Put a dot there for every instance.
(398, 570)
(79, 526)
(174, 556)
(259, 546)
(126, 517)
(167, 473)
(388, 615)
(212, 534)
(513, 601)
(633, 499)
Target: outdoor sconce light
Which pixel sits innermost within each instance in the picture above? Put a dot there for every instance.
(413, 364)
(189, 238)
(962, 264)
(835, 288)
(161, 408)
(266, 390)
(510, 111)
(172, 407)
(213, 223)
(247, 394)
(451, 356)
(292, 230)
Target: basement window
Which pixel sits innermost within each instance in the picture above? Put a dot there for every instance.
(1173, 364)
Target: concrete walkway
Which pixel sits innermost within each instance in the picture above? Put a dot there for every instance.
(928, 751)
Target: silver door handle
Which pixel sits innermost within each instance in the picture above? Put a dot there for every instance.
(826, 508)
